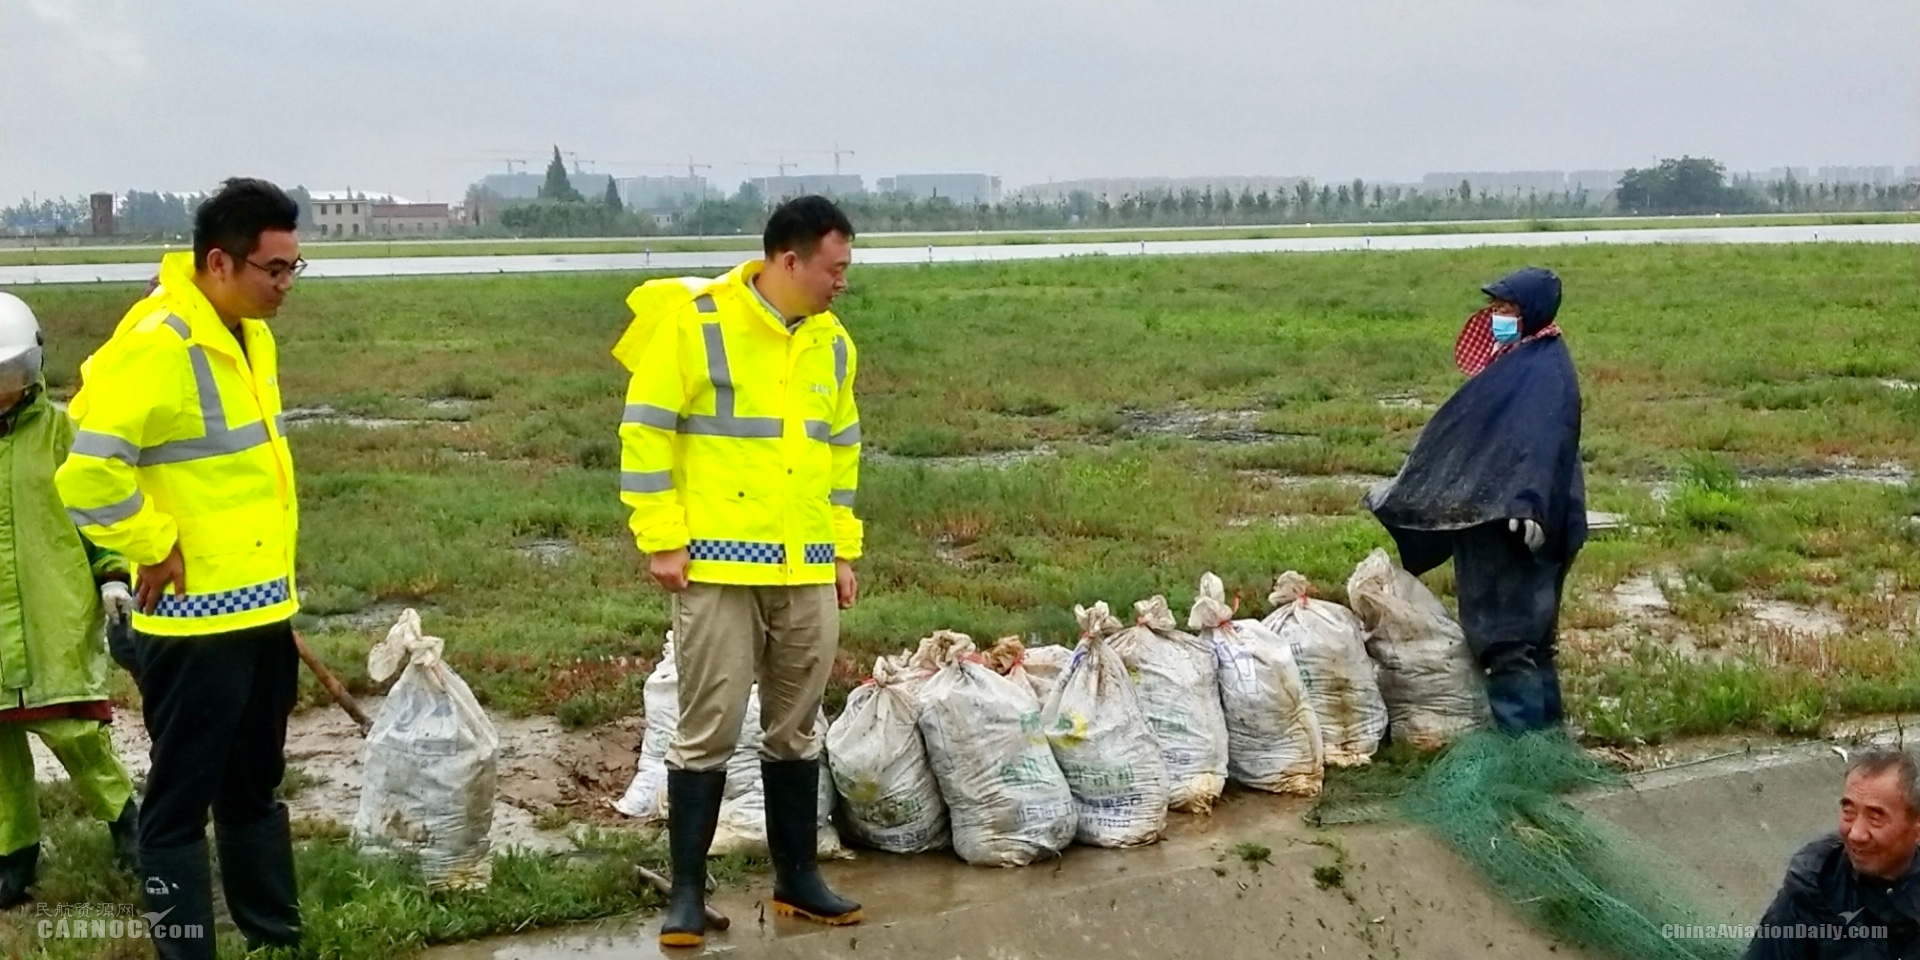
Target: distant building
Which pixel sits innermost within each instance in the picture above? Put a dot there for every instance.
(967, 189)
(409, 219)
(526, 186)
(1499, 183)
(1873, 176)
(824, 184)
(1597, 183)
(339, 213)
(512, 186)
(100, 206)
(1115, 189)
(663, 193)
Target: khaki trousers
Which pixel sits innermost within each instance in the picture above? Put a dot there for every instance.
(727, 637)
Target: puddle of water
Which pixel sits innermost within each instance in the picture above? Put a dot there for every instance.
(997, 460)
(548, 553)
(1285, 480)
(1890, 472)
(1641, 595)
(1406, 401)
(377, 618)
(1216, 426)
(1900, 385)
(1599, 522)
(1281, 520)
(325, 414)
(1795, 618)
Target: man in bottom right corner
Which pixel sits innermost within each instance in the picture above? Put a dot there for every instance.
(1855, 894)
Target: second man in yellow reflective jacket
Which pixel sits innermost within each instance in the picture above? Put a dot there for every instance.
(740, 461)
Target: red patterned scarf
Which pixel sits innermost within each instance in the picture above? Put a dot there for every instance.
(1475, 348)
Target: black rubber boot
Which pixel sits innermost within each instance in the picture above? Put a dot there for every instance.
(177, 885)
(256, 872)
(793, 823)
(693, 809)
(125, 832)
(17, 870)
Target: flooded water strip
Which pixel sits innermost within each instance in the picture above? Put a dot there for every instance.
(992, 253)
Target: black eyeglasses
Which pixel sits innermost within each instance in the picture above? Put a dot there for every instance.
(277, 269)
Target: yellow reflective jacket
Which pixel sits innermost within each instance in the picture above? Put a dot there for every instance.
(181, 441)
(741, 441)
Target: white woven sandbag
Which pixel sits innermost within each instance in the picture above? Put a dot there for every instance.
(646, 796)
(1179, 689)
(1329, 645)
(890, 797)
(1007, 801)
(1100, 737)
(1433, 689)
(1273, 737)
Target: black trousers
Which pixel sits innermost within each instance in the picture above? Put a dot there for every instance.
(1510, 612)
(216, 707)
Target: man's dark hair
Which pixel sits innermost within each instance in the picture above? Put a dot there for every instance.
(801, 223)
(1906, 770)
(234, 218)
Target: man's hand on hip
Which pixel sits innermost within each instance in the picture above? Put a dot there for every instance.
(668, 568)
(845, 584)
(152, 582)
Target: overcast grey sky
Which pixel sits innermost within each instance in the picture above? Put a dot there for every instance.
(409, 96)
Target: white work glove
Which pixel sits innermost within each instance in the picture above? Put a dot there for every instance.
(116, 600)
(1529, 531)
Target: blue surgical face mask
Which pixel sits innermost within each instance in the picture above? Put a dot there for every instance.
(1506, 328)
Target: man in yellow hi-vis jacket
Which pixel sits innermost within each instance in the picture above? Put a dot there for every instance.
(180, 464)
(740, 455)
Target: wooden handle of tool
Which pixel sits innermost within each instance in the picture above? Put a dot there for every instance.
(334, 689)
(715, 918)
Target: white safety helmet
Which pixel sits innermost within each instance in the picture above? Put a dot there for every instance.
(21, 344)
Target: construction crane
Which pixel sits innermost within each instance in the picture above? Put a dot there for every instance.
(836, 153)
(693, 169)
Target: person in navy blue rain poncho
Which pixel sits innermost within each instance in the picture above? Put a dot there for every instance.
(1494, 482)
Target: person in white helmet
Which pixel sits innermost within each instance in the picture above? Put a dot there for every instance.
(56, 591)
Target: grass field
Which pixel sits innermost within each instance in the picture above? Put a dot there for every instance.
(1041, 434)
(375, 248)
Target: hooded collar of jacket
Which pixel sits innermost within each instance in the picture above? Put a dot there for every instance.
(185, 299)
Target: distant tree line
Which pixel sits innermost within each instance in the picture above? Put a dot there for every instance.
(1686, 185)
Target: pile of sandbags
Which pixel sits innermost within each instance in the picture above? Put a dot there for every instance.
(1012, 753)
(1433, 688)
(1328, 643)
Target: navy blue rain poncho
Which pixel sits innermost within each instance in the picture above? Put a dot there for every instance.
(1505, 446)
